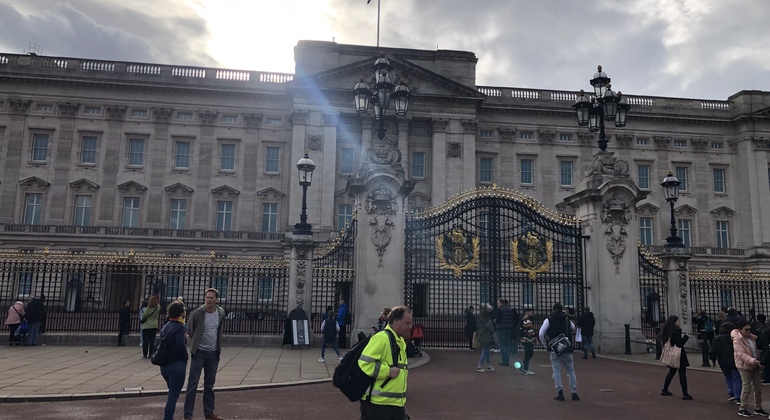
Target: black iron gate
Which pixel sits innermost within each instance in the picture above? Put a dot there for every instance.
(483, 245)
(333, 276)
(653, 288)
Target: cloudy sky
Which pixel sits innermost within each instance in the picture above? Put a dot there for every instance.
(708, 49)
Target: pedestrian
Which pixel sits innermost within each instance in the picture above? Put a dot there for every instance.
(383, 320)
(35, 317)
(149, 323)
(671, 332)
(733, 316)
(528, 336)
(204, 326)
(470, 326)
(142, 310)
(721, 317)
(705, 328)
(388, 397)
(504, 323)
(342, 318)
(124, 321)
(484, 336)
(722, 352)
(13, 321)
(586, 323)
(330, 330)
(556, 324)
(749, 366)
(176, 366)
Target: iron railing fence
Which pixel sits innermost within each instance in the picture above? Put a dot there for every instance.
(653, 291)
(745, 290)
(83, 292)
(334, 276)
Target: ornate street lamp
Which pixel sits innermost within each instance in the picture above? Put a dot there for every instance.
(381, 94)
(604, 106)
(305, 166)
(670, 186)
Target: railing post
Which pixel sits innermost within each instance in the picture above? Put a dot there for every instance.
(628, 337)
(658, 346)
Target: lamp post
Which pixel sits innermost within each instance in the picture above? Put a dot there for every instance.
(605, 105)
(381, 94)
(670, 186)
(305, 166)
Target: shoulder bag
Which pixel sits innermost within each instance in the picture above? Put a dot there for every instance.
(671, 355)
(144, 319)
(561, 343)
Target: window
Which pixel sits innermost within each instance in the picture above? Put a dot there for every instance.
(40, 147)
(483, 224)
(182, 155)
(683, 225)
(172, 287)
(131, 212)
(224, 216)
(719, 180)
(270, 217)
(271, 159)
(485, 169)
(184, 116)
(569, 295)
(265, 289)
(566, 173)
(136, 152)
(178, 215)
(418, 128)
(525, 175)
(220, 283)
(681, 174)
(274, 122)
(723, 234)
(642, 142)
(92, 110)
(83, 205)
(230, 118)
(139, 113)
(485, 294)
(88, 150)
(717, 145)
(643, 176)
(528, 294)
(45, 107)
(227, 162)
(485, 134)
(527, 135)
(347, 161)
(645, 230)
(418, 165)
(565, 137)
(680, 144)
(32, 209)
(25, 285)
(726, 296)
(344, 215)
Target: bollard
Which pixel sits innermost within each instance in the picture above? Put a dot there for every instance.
(658, 345)
(628, 337)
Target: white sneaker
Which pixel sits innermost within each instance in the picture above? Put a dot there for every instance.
(529, 372)
(321, 360)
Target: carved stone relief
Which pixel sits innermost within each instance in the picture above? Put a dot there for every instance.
(252, 120)
(699, 144)
(624, 140)
(115, 112)
(439, 125)
(616, 215)
(684, 291)
(18, 106)
(381, 205)
(469, 126)
(301, 270)
(605, 163)
(403, 124)
(761, 143)
(330, 120)
(299, 116)
(546, 136)
(68, 109)
(733, 145)
(586, 138)
(454, 150)
(314, 141)
(161, 114)
(662, 143)
(507, 134)
(207, 117)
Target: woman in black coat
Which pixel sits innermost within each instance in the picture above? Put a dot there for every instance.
(722, 352)
(124, 321)
(672, 332)
(470, 326)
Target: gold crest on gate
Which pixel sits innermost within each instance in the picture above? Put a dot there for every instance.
(460, 253)
(531, 254)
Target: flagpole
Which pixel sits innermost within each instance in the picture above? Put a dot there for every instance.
(378, 23)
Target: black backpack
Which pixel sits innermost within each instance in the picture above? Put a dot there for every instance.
(161, 356)
(348, 376)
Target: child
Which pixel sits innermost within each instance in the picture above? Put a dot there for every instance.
(330, 330)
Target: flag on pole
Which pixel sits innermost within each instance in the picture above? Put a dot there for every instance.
(378, 20)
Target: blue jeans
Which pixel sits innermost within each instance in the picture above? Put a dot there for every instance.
(174, 376)
(484, 356)
(566, 360)
(505, 344)
(733, 382)
(34, 330)
(333, 342)
(208, 361)
(588, 341)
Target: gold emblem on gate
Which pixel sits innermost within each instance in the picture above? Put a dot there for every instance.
(531, 254)
(460, 254)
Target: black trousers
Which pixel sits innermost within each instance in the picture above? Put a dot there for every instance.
(148, 343)
(343, 337)
(371, 411)
(682, 378)
(121, 334)
(12, 338)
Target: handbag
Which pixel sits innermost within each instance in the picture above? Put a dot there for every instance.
(23, 329)
(671, 355)
(160, 358)
(561, 343)
(579, 336)
(475, 340)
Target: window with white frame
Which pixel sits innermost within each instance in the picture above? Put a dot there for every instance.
(680, 144)
(182, 155)
(88, 150)
(40, 147)
(643, 177)
(224, 216)
(418, 164)
(131, 212)
(45, 107)
(270, 217)
(187, 116)
(645, 230)
(220, 283)
(418, 128)
(565, 137)
(719, 180)
(25, 285)
(136, 152)
(485, 169)
(274, 122)
(178, 214)
(681, 174)
(527, 294)
(227, 159)
(229, 118)
(642, 142)
(139, 113)
(344, 215)
(526, 135)
(723, 234)
(92, 110)
(33, 207)
(265, 289)
(717, 145)
(566, 173)
(483, 224)
(347, 161)
(525, 171)
(683, 226)
(486, 134)
(172, 287)
(271, 159)
(83, 204)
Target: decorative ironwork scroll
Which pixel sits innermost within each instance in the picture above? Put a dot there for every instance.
(531, 254)
(461, 254)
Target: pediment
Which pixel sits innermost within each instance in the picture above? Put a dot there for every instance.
(419, 199)
(83, 184)
(34, 182)
(686, 210)
(225, 191)
(723, 211)
(179, 189)
(341, 193)
(132, 187)
(421, 81)
(270, 192)
(647, 209)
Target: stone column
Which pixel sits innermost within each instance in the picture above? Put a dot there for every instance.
(438, 161)
(298, 133)
(675, 261)
(13, 159)
(300, 272)
(62, 163)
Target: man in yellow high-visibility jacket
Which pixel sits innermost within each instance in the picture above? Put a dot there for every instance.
(388, 396)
